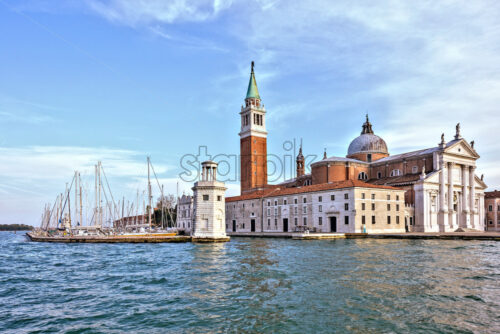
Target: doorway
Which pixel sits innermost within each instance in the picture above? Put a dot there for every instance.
(285, 224)
(333, 224)
(234, 225)
(252, 225)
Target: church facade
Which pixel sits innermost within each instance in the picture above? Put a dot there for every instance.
(434, 189)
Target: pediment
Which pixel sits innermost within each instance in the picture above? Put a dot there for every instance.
(463, 149)
(433, 177)
(479, 183)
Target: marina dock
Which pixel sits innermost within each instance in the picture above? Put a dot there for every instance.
(123, 239)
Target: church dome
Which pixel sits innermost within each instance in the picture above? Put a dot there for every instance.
(367, 142)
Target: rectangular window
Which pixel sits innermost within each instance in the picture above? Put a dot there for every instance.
(205, 197)
(305, 220)
(243, 225)
(397, 219)
(346, 206)
(295, 200)
(397, 207)
(362, 195)
(296, 221)
(490, 208)
(320, 208)
(320, 198)
(362, 206)
(268, 203)
(295, 210)
(363, 220)
(388, 197)
(388, 207)
(219, 198)
(373, 196)
(276, 222)
(388, 219)
(269, 222)
(284, 202)
(373, 206)
(346, 220)
(332, 197)
(373, 219)
(304, 209)
(346, 196)
(275, 202)
(305, 200)
(320, 221)
(397, 197)
(268, 211)
(275, 211)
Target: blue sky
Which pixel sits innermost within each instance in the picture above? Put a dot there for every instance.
(118, 80)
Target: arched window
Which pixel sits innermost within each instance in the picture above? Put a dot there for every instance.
(395, 172)
(362, 176)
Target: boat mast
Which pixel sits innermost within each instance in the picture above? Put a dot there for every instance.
(81, 204)
(149, 195)
(162, 209)
(100, 209)
(123, 212)
(76, 196)
(96, 198)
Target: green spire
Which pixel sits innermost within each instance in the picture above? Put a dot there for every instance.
(252, 91)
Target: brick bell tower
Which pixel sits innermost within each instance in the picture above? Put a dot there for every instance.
(253, 140)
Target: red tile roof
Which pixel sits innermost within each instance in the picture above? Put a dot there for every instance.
(280, 191)
(492, 194)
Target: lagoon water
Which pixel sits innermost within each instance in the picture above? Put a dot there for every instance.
(251, 285)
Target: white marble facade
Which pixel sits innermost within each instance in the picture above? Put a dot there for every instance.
(452, 196)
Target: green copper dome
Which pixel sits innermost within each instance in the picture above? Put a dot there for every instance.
(252, 91)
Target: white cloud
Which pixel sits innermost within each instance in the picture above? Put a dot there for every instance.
(132, 12)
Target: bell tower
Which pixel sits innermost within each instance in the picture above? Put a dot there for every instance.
(253, 140)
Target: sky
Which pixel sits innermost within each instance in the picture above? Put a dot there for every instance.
(120, 80)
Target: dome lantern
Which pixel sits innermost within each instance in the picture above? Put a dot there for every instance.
(367, 146)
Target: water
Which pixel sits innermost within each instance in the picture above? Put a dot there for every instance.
(251, 285)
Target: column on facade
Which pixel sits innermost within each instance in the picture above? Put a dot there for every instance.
(450, 193)
(443, 206)
(465, 182)
(472, 195)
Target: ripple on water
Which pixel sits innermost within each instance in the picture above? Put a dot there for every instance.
(251, 285)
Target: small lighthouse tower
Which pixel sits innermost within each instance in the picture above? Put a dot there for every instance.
(209, 206)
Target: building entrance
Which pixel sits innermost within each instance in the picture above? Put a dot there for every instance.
(333, 224)
(285, 224)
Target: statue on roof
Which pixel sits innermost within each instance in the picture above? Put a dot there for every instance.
(457, 131)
